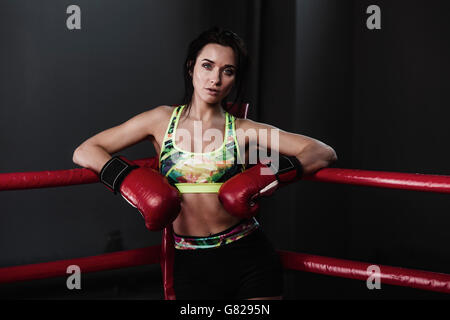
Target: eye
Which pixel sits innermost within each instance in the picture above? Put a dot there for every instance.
(229, 72)
(206, 65)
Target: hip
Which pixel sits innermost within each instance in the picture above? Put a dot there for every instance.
(226, 237)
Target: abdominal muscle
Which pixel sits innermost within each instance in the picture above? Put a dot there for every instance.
(202, 215)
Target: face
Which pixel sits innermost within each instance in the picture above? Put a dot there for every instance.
(214, 73)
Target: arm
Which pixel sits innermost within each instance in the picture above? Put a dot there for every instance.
(292, 156)
(97, 150)
(313, 154)
(144, 188)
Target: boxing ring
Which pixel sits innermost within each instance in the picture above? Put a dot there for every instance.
(163, 254)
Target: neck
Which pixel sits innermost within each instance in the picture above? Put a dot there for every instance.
(202, 111)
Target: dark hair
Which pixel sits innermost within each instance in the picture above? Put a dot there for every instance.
(224, 37)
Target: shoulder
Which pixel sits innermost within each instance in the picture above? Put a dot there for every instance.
(150, 120)
(247, 124)
(160, 111)
(157, 115)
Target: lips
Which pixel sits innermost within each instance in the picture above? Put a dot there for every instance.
(212, 92)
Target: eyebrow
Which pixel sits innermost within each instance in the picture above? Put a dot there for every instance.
(227, 65)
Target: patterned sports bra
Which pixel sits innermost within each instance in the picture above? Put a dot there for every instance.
(192, 172)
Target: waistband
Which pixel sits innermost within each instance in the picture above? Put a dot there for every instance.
(211, 187)
(242, 229)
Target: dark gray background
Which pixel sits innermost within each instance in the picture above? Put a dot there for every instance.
(379, 97)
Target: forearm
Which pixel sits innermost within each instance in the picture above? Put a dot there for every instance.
(315, 157)
(91, 156)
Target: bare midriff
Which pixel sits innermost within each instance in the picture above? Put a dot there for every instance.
(201, 214)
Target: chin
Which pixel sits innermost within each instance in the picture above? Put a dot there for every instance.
(212, 100)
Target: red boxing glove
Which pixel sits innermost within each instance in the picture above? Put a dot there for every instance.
(239, 194)
(145, 189)
(152, 163)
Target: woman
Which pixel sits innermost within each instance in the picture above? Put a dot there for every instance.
(218, 255)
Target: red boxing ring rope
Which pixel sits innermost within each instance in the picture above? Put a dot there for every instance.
(107, 261)
(295, 261)
(382, 179)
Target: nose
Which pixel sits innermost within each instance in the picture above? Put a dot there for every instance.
(216, 78)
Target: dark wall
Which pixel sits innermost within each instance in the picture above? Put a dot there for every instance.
(400, 111)
(378, 97)
(323, 110)
(59, 87)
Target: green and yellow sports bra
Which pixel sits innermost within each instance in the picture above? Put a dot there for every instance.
(192, 172)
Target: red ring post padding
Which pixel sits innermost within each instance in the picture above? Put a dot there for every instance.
(167, 253)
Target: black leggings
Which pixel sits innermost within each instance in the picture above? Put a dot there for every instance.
(246, 268)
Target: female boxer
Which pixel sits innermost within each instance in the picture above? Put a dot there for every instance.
(208, 191)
